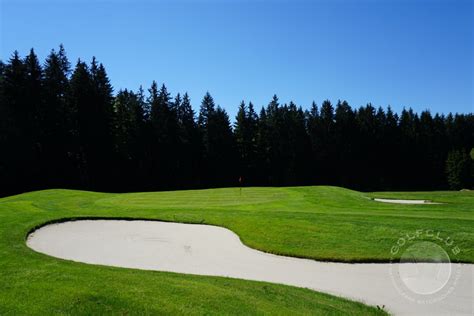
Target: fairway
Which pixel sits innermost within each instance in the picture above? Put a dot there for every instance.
(323, 223)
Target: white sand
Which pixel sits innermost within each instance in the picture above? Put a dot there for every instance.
(211, 250)
(404, 201)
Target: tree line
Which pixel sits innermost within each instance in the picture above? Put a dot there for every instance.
(63, 127)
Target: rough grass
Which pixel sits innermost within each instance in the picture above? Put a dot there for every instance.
(325, 223)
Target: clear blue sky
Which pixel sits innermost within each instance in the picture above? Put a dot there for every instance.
(404, 53)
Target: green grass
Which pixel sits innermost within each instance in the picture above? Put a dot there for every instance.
(324, 223)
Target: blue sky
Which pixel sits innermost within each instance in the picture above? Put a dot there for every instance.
(401, 53)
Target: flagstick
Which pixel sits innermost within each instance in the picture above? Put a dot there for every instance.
(240, 185)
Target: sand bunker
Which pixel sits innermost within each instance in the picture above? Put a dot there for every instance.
(211, 250)
(404, 201)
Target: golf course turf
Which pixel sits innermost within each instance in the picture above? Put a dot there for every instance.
(323, 223)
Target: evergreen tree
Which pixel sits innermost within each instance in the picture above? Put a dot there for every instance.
(33, 85)
(80, 102)
(191, 145)
(458, 170)
(186, 114)
(165, 128)
(275, 134)
(206, 113)
(160, 113)
(34, 118)
(100, 120)
(206, 110)
(367, 146)
(325, 150)
(18, 149)
(6, 136)
(427, 148)
(129, 136)
(390, 145)
(241, 138)
(221, 150)
(57, 124)
(297, 144)
(345, 139)
(312, 127)
(103, 100)
(263, 149)
(126, 123)
(246, 135)
(176, 104)
(219, 167)
(159, 104)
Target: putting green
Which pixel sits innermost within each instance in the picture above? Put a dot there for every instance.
(325, 223)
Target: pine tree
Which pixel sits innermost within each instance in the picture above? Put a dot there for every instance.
(165, 128)
(160, 113)
(186, 114)
(33, 85)
(298, 144)
(190, 151)
(326, 149)
(206, 113)
(80, 102)
(245, 133)
(153, 101)
(312, 125)
(221, 152)
(18, 153)
(263, 149)
(125, 123)
(56, 84)
(345, 138)
(6, 136)
(252, 127)
(240, 131)
(218, 144)
(129, 137)
(58, 125)
(458, 170)
(176, 104)
(103, 99)
(274, 136)
(206, 110)
(366, 171)
(312, 128)
(409, 152)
